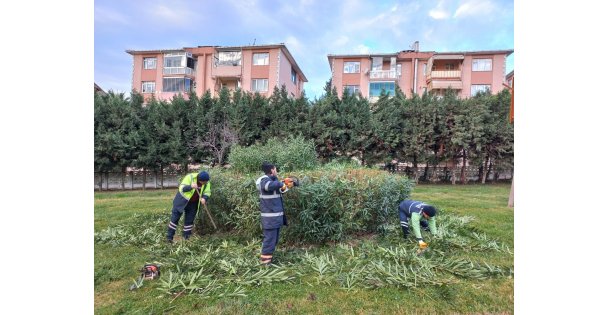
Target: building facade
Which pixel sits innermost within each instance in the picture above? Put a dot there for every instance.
(414, 71)
(167, 72)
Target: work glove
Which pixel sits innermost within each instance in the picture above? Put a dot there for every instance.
(284, 189)
(422, 244)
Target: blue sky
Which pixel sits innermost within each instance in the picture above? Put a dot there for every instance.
(311, 29)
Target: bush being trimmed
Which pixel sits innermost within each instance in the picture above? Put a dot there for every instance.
(288, 155)
(331, 203)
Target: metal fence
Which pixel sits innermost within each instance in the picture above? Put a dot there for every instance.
(170, 178)
(137, 180)
(444, 174)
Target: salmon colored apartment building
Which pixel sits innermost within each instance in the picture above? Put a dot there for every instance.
(167, 72)
(415, 71)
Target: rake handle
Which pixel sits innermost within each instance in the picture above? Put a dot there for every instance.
(210, 217)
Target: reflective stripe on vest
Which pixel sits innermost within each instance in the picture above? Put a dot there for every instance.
(270, 196)
(277, 214)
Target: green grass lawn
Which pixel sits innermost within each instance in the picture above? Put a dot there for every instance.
(142, 218)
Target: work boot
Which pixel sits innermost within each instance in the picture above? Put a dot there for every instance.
(406, 231)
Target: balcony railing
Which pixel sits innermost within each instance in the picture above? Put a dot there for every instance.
(444, 74)
(178, 70)
(383, 74)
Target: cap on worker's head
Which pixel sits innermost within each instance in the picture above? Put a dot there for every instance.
(267, 167)
(429, 210)
(203, 176)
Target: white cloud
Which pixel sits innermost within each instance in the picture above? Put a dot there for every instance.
(472, 8)
(341, 41)
(171, 16)
(108, 16)
(295, 46)
(438, 12)
(362, 49)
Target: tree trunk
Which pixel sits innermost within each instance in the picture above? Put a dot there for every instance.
(107, 180)
(415, 169)
(161, 177)
(144, 178)
(512, 194)
(463, 170)
(132, 174)
(425, 176)
(485, 170)
(155, 179)
(100, 181)
(453, 171)
(122, 177)
(489, 170)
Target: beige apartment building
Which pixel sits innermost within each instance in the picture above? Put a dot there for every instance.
(167, 72)
(466, 72)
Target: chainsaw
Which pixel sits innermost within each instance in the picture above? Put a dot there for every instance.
(148, 272)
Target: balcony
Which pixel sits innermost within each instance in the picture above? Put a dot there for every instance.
(227, 71)
(444, 84)
(384, 74)
(444, 74)
(178, 70)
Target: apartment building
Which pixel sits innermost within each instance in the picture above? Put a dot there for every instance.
(167, 72)
(418, 71)
(509, 78)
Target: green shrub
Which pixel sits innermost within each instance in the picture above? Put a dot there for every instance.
(288, 155)
(331, 203)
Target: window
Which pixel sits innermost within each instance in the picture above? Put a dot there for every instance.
(228, 58)
(376, 63)
(375, 88)
(177, 85)
(173, 61)
(352, 89)
(149, 63)
(352, 67)
(293, 76)
(148, 87)
(260, 59)
(259, 85)
(482, 64)
(449, 66)
(479, 88)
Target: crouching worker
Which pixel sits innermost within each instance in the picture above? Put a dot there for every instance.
(421, 214)
(271, 208)
(193, 189)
